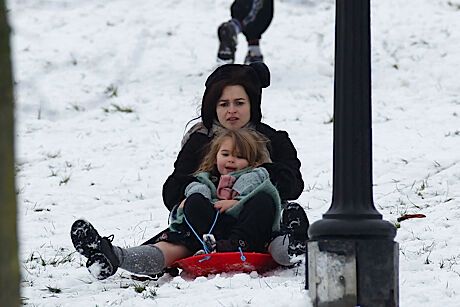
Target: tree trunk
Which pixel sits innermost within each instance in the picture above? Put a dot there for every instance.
(9, 266)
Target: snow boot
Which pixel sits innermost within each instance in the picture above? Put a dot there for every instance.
(294, 224)
(102, 260)
(252, 57)
(228, 40)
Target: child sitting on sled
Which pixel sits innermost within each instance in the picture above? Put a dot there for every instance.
(227, 179)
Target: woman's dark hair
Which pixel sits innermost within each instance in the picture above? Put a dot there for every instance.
(251, 77)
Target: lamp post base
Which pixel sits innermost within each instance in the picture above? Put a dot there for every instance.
(353, 272)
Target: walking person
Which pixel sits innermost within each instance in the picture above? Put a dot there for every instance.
(250, 17)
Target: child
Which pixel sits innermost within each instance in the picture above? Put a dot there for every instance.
(219, 205)
(227, 178)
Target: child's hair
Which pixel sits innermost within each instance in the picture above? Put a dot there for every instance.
(248, 144)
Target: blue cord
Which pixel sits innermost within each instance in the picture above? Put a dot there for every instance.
(214, 223)
(204, 258)
(242, 256)
(210, 230)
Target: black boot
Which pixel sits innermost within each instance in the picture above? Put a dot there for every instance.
(228, 40)
(294, 224)
(102, 260)
(252, 57)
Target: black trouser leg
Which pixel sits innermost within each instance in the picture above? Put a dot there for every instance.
(255, 16)
(200, 213)
(254, 224)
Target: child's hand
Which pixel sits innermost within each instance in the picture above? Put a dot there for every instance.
(224, 205)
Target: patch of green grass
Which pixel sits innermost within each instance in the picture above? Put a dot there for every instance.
(139, 288)
(117, 108)
(61, 257)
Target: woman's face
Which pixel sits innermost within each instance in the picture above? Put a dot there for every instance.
(233, 107)
(227, 158)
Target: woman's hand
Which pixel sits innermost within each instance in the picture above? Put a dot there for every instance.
(224, 205)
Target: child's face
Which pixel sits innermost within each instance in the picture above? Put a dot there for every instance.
(227, 160)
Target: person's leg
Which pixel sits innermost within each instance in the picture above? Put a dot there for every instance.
(254, 16)
(104, 259)
(200, 213)
(228, 31)
(200, 217)
(240, 9)
(172, 252)
(254, 224)
(143, 259)
(292, 238)
(254, 24)
(294, 223)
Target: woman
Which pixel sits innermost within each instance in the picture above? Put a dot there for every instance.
(231, 101)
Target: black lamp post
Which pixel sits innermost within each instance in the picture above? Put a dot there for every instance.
(353, 260)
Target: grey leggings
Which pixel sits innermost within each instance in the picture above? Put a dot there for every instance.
(144, 259)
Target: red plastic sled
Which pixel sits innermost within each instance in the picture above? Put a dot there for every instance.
(215, 263)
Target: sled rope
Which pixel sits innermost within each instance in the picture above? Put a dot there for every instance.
(197, 236)
(242, 256)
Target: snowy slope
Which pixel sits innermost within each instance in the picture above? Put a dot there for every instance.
(104, 89)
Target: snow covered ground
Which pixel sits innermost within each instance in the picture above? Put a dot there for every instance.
(104, 89)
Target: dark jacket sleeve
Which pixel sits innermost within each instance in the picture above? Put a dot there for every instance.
(285, 167)
(187, 162)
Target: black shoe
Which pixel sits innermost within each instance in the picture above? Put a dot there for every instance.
(102, 260)
(228, 40)
(294, 224)
(102, 265)
(253, 58)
